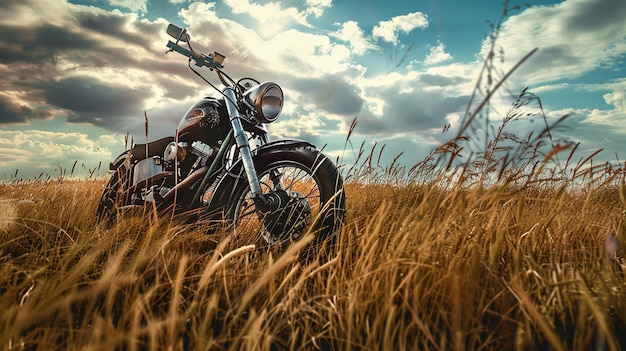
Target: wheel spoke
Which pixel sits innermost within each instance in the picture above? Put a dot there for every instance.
(300, 197)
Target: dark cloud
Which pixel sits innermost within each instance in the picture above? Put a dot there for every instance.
(599, 16)
(441, 81)
(178, 89)
(123, 27)
(103, 22)
(11, 112)
(93, 101)
(38, 44)
(558, 55)
(415, 112)
(91, 39)
(369, 124)
(331, 94)
(9, 6)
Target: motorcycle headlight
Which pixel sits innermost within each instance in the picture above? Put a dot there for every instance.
(267, 100)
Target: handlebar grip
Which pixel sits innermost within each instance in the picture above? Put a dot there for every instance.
(201, 60)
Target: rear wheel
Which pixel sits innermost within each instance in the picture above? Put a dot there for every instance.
(113, 196)
(304, 192)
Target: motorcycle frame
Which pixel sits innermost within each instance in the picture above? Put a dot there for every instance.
(243, 146)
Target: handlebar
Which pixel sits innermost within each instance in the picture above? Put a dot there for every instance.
(211, 61)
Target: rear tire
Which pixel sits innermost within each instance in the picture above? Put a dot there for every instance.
(113, 196)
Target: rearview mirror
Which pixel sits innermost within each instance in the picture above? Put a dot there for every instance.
(177, 32)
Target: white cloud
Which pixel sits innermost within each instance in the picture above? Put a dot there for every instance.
(437, 54)
(319, 3)
(36, 11)
(273, 18)
(266, 12)
(133, 5)
(351, 33)
(453, 119)
(317, 7)
(614, 119)
(616, 97)
(50, 152)
(306, 124)
(388, 30)
(549, 87)
(286, 54)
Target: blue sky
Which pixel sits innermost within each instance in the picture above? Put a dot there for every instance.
(77, 76)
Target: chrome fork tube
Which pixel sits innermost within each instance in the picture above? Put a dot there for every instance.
(243, 144)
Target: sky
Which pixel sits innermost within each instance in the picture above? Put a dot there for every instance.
(77, 76)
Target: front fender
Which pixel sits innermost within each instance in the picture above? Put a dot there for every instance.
(236, 172)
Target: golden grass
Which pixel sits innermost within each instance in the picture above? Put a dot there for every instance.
(417, 267)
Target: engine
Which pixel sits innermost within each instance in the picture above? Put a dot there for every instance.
(204, 152)
(185, 159)
(158, 175)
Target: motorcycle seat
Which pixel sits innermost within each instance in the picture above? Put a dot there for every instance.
(151, 149)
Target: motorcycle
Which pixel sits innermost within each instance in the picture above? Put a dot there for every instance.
(220, 166)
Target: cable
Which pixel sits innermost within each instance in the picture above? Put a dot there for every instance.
(211, 84)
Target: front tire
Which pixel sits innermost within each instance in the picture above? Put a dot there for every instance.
(308, 187)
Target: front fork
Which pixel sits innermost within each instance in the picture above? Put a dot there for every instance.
(241, 139)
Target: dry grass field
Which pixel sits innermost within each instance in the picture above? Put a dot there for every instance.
(520, 265)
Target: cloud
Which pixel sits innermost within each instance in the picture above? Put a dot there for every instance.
(442, 80)
(582, 125)
(32, 152)
(273, 18)
(317, 7)
(351, 33)
(88, 64)
(388, 30)
(312, 126)
(38, 44)
(408, 103)
(617, 97)
(574, 37)
(266, 12)
(15, 111)
(614, 118)
(419, 112)
(437, 54)
(133, 5)
(287, 54)
(95, 100)
(330, 93)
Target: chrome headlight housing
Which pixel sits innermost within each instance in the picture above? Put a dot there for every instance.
(267, 100)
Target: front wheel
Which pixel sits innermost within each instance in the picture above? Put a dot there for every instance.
(303, 191)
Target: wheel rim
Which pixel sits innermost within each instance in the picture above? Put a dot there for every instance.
(300, 194)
